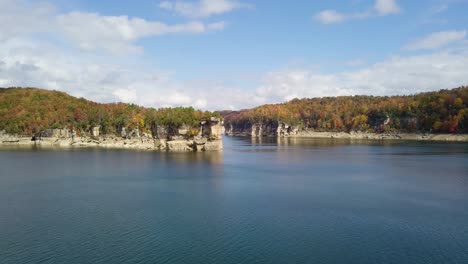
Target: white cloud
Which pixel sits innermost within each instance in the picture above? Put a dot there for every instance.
(329, 17)
(380, 8)
(18, 17)
(437, 40)
(118, 34)
(98, 79)
(126, 95)
(396, 75)
(29, 61)
(88, 31)
(386, 7)
(202, 8)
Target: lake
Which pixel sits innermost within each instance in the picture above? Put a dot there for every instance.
(258, 201)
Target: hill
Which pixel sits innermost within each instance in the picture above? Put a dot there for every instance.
(30, 110)
(445, 111)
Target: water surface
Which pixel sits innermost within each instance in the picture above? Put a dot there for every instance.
(260, 201)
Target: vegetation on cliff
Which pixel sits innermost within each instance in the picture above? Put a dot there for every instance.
(445, 111)
(30, 110)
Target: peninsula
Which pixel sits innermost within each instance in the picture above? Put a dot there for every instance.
(435, 116)
(30, 116)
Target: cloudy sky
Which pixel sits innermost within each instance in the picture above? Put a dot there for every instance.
(232, 54)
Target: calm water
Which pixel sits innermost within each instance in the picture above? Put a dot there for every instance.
(303, 201)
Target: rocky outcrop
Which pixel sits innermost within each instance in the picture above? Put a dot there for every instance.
(384, 136)
(95, 131)
(54, 133)
(265, 129)
(212, 128)
(161, 138)
(280, 129)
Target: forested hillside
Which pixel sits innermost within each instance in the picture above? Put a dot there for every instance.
(30, 110)
(445, 111)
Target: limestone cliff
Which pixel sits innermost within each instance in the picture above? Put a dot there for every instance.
(280, 129)
(265, 129)
(162, 138)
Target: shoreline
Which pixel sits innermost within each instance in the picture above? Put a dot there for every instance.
(369, 136)
(112, 142)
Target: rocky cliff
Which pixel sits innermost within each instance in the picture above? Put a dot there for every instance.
(280, 129)
(265, 129)
(162, 138)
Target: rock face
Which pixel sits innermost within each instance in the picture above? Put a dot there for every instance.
(95, 131)
(281, 129)
(212, 128)
(134, 133)
(179, 145)
(162, 138)
(266, 129)
(55, 133)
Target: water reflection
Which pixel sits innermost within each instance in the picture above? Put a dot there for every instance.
(333, 142)
(259, 200)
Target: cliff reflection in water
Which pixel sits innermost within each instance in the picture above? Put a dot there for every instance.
(316, 142)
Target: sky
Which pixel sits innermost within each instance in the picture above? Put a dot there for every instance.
(232, 54)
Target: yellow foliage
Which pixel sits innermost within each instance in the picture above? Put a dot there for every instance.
(437, 125)
(458, 102)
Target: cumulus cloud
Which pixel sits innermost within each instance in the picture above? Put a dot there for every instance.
(380, 8)
(118, 34)
(396, 75)
(202, 8)
(18, 17)
(126, 95)
(89, 31)
(25, 64)
(26, 60)
(437, 40)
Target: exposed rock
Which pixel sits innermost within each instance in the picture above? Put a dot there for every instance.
(95, 131)
(160, 144)
(212, 128)
(201, 141)
(267, 129)
(123, 132)
(163, 138)
(54, 133)
(135, 133)
(213, 145)
(183, 130)
(146, 135)
(180, 145)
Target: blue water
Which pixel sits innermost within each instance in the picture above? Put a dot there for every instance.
(293, 201)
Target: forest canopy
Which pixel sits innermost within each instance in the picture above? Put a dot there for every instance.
(31, 110)
(445, 111)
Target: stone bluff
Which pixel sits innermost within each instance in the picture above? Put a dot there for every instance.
(162, 138)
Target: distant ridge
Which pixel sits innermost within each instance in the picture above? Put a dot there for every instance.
(30, 110)
(444, 111)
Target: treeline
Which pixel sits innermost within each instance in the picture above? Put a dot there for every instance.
(445, 111)
(30, 110)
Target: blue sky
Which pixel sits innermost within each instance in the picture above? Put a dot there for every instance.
(226, 54)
